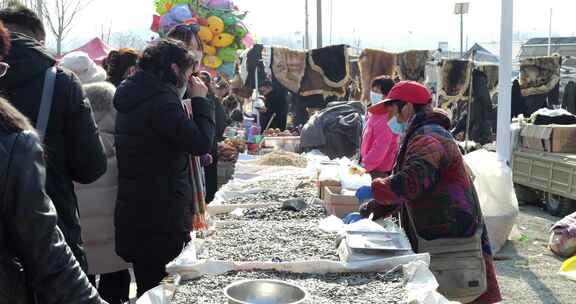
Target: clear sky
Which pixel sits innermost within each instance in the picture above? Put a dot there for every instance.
(394, 25)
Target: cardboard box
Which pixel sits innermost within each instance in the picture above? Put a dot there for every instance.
(550, 138)
(322, 187)
(338, 204)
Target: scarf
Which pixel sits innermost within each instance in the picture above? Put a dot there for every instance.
(197, 181)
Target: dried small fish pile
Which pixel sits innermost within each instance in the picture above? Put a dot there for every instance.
(277, 191)
(249, 241)
(349, 288)
(275, 213)
(272, 196)
(280, 158)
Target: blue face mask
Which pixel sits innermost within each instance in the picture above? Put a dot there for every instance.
(375, 97)
(396, 127)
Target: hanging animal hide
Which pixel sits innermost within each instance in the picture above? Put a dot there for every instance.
(491, 71)
(539, 75)
(374, 63)
(314, 83)
(332, 63)
(289, 67)
(412, 65)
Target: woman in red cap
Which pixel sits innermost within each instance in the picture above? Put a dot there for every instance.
(436, 197)
(379, 142)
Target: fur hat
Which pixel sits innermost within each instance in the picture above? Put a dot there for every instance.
(84, 67)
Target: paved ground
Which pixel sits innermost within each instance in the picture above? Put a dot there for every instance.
(527, 269)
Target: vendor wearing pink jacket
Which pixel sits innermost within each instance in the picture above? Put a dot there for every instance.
(379, 143)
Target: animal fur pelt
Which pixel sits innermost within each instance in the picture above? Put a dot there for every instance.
(539, 75)
(374, 63)
(332, 63)
(289, 66)
(455, 78)
(491, 71)
(412, 65)
(314, 83)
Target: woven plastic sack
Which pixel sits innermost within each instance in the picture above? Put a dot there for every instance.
(563, 237)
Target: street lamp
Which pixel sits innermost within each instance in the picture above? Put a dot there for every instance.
(461, 9)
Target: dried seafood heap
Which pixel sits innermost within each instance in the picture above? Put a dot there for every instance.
(342, 288)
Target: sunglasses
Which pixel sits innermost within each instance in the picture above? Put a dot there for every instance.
(4, 68)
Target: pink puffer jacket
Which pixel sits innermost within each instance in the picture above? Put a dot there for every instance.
(379, 145)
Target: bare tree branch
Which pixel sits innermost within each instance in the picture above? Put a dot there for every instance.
(61, 16)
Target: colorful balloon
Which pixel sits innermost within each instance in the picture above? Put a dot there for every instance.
(227, 68)
(212, 62)
(223, 40)
(209, 50)
(219, 4)
(227, 54)
(216, 24)
(205, 34)
(248, 41)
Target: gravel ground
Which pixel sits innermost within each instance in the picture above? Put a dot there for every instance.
(348, 288)
(527, 269)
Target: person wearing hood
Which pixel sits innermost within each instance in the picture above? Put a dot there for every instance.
(35, 262)
(84, 67)
(73, 148)
(155, 137)
(97, 200)
(433, 192)
(379, 142)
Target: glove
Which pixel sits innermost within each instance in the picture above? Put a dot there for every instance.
(364, 194)
(379, 210)
(352, 218)
(366, 209)
(206, 160)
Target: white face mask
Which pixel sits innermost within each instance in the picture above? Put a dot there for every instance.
(375, 97)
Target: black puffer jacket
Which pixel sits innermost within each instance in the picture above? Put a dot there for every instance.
(153, 140)
(73, 147)
(29, 236)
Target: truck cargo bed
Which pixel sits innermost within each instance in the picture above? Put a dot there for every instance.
(548, 172)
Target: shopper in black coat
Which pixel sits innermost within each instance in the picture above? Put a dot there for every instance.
(154, 139)
(72, 145)
(35, 262)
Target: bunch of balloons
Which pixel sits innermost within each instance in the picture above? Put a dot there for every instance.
(222, 31)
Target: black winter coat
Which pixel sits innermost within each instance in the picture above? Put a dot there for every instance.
(154, 139)
(28, 232)
(73, 147)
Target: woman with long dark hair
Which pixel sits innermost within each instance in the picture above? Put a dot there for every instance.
(155, 141)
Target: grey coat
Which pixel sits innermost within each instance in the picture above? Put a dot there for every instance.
(97, 200)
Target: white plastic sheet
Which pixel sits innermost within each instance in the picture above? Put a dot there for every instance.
(495, 188)
(208, 267)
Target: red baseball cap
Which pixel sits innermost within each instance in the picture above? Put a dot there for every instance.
(407, 91)
(410, 92)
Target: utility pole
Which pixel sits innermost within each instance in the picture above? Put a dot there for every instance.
(306, 27)
(319, 26)
(503, 143)
(550, 34)
(461, 35)
(461, 9)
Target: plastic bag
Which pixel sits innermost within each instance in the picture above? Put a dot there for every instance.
(563, 237)
(353, 181)
(495, 188)
(421, 285)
